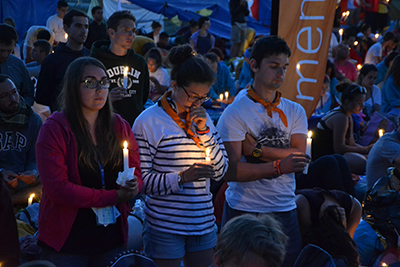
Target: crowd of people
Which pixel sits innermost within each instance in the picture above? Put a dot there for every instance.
(212, 148)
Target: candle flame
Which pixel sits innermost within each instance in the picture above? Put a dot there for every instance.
(384, 264)
(347, 13)
(359, 66)
(125, 145)
(208, 152)
(381, 132)
(355, 43)
(309, 134)
(226, 95)
(32, 196)
(376, 35)
(343, 14)
(221, 96)
(126, 71)
(66, 36)
(341, 31)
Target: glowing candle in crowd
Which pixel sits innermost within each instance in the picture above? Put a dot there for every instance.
(376, 36)
(208, 161)
(226, 95)
(30, 199)
(308, 149)
(341, 34)
(359, 66)
(381, 132)
(126, 157)
(126, 77)
(208, 155)
(66, 36)
(355, 43)
(221, 97)
(343, 15)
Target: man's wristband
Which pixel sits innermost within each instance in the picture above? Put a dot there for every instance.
(278, 167)
(203, 131)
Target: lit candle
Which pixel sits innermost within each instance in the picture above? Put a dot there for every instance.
(343, 15)
(340, 33)
(359, 66)
(347, 14)
(66, 36)
(226, 96)
(208, 161)
(221, 97)
(126, 157)
(308, 149)
(381, 132)
(126, 77)
(30, 199)
(376, 36)
(355, 43)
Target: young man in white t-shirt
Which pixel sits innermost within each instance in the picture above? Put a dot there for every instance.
(55, 22)
(265, 144)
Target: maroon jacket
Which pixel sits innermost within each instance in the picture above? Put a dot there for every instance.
(63, 195)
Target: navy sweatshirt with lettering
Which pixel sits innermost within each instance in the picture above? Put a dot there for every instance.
(138, 78)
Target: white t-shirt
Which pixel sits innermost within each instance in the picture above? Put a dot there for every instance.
(162, 76)
(31, 37)
(246, 116)
(375, 99)
(55, 23)
(374, 51)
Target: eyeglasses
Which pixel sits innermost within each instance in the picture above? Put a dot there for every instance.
(93, 83)
(360, 89)
(4, 97)
(195, 98)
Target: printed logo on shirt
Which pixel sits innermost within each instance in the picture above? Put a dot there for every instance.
(116, 75)
(12, 141)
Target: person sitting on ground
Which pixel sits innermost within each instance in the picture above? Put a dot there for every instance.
(384, 154)
(367, 78)
(19, 129)
(245, 74)
(223, 79)
(329, 219)
(324, 104)
(377, 51)
(163, 42)
(391, 89)
(248, 240)
(345, 69)
(202, 41)
(159, 77)
(33, 34)
(334, 132)
(383, 68)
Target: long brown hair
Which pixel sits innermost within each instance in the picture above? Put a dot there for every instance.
(108, 149)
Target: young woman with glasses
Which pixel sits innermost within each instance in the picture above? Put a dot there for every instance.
(174, 136)
(334, 133)
(83, 211)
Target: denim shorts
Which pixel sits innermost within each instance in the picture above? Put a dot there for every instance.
(162, 245)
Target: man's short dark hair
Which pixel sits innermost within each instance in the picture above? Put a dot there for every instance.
(44, 46)
(269, 46)
(193, 23)
(96, 8)
(389, 36)
(43, 34)
(202, 20)
(8, 34)
(4, 78)
(114, 20)
(61, 4)
(67, 20)
(164, 36)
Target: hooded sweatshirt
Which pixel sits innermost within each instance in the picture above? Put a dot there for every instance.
(52, 73)
(138, 78)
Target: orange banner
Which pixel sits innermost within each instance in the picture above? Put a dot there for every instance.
(306, 26)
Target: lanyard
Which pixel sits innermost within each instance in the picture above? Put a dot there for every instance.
(103, 182)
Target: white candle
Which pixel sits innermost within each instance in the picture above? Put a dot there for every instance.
(208, 161)
(308, 149)
(30, 199)
(125, 77)
(340, 33)
(66, 36)
(126, 157)
(381, 132)
(226, 96)
(221, 97)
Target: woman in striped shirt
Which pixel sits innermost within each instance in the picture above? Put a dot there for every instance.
(173, 137)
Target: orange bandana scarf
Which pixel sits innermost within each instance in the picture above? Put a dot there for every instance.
(268, 105)
(186, 127)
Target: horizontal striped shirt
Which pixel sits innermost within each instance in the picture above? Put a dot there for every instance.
(165, 150)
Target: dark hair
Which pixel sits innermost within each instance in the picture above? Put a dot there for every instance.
(218, 52)
(187, 68)
(114, 20)
(8, 34)
(212, 56)
(394, 70)
(202, 20)
(147, 47)
(364, 27)
(164, 36)
(155, 24)
(330, 235)
(350, 32)
(367, 68)
(61, 4)
(94, 9)
(326, 79)
(389, 58)
(10, 20)
(43, 34)
(349, 90)
(193, 23)
(389, 36)
(155, 54)
(44, 46)
(248, 235)
(67, 20)
(4, 77)
(268, 46)
(108, 148)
